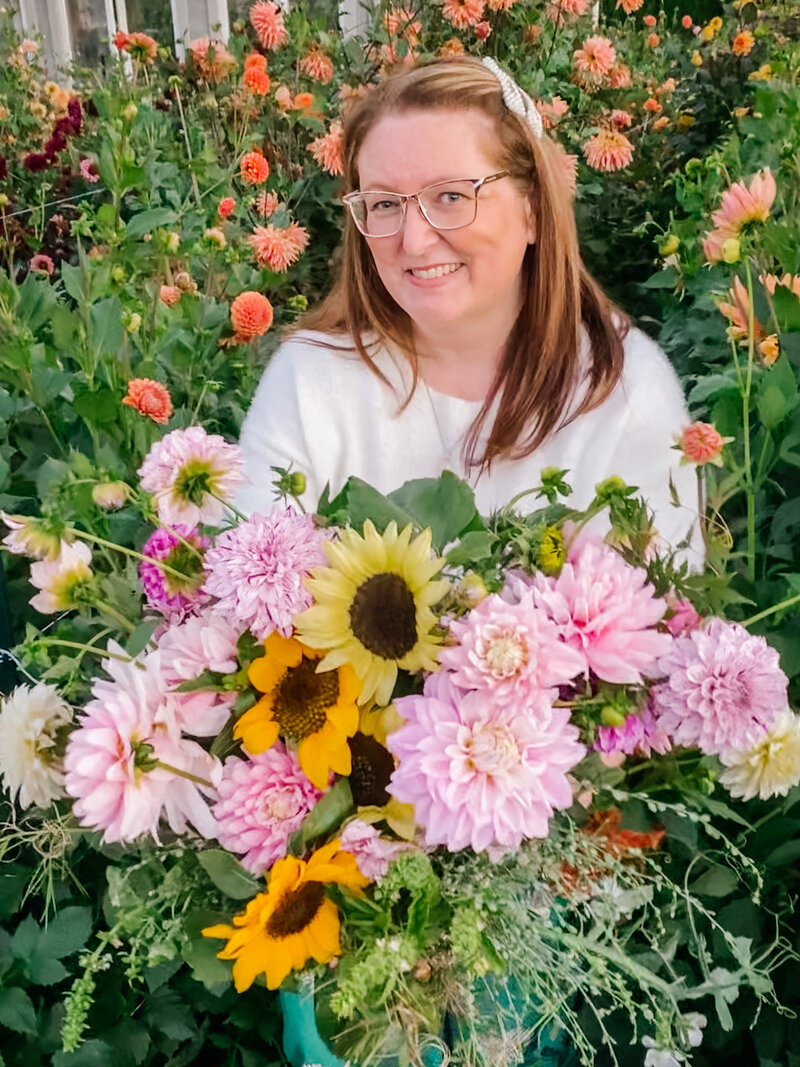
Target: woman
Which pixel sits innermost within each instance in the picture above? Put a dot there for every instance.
(463, 331)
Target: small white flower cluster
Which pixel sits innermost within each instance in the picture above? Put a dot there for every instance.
(691, 1034)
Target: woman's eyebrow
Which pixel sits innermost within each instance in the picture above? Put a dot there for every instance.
(388, 187)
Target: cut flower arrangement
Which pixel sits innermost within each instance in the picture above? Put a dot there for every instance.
(418, 758)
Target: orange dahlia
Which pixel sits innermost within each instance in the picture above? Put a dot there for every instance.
(225, 206)
(266, 204)
(251, 315)
(328, 150)
(267, 20)
(463, 13)
(256, 80)
(169, 295)
(742, 44)
(254, 168)
(303, 101)
(255, 61)
(276, 248)
(596, 57)
(150, 399)
(608, 150)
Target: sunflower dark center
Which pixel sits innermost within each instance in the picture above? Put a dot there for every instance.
(296, 911)
(302, 699)
(383, 616)
(372, 769)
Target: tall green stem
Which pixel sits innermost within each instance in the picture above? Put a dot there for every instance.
(84, 536)
(750, 490)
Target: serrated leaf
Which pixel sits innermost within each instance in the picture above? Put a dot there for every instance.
(471, 548)
(92, 1053)
(207, 967)
(445, 504)
(170, 1015)
(326, 815)
(67, 933)
(228, 875)
(16, 1011)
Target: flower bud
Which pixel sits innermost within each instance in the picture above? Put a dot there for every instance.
(4, 201)
(118, 274)
(611, 716)
(134, 322)
(172, 242)
(670, 245)
(129, 112)
(297, 483)
(110, 496)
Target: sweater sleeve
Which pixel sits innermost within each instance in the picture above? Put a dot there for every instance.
(644, 454)
(275, 430)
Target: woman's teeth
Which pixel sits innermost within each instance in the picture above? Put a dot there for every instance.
(436, 272)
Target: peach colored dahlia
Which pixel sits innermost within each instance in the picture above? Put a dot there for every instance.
(267, 20)
(278, 248)
(315, 64)
(463, 13)
(328, 150)
(596, 57)
(608, 150)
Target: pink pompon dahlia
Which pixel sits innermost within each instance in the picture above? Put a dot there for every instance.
(373, 853)
(204, 642)
(328, 150)
(724, 688)
(641, 734)
(480, 774)
(191, 474)
(262, 801)
(165, 592)
(117, 759)
(267, 20)
(257, 571)
(604, 607)
(278, 248)
(512, 650)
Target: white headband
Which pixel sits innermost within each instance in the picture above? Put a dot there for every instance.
(516, 99)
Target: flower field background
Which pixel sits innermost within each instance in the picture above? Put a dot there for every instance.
(161, 224)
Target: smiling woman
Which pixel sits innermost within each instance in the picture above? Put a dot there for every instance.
(463, 331)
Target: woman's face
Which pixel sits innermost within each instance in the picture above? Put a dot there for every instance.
(409, 150)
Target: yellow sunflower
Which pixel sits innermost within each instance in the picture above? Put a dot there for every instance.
(292, 922)
(372, 606)
(316, 709)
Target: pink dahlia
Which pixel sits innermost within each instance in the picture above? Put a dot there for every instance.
(724, 688)
(479, 773)
(257, 571)
(118, 763)
(514, 650)
(262, 801)
(205, 642)
(165, 592)
(373, 853)
(267, 20)
(642, 734)
(191, 473)
(604, 607)
(596, 57)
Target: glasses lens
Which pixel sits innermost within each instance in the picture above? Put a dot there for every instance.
(449, 204)
(377, 214)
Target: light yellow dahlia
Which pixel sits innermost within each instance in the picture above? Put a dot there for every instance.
(372, 606)
(768, 768)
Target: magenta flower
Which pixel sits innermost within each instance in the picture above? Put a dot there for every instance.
(257, 571)
(513, 650)
(164, 592)
(684, 617)
(373, 853)
(262, 801)
(604, 607)
(724, 688)
(190, 474)
(481, 773)
(88, 169)
(204, 642)
(111, 766)
(642, 734)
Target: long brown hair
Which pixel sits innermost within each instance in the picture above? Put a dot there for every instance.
(540, 372)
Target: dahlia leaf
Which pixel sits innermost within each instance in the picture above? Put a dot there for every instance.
(324, 818)
(446, 504)
(228, 875)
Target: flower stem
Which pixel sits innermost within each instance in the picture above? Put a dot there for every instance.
(771, 611)
(107, 609)
(184, 774)
(82, 648)
(748, 468)
(129, 552)
(239, 515)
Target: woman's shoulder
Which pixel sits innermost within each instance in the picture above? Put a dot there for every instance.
(314, 356)
(648, 377)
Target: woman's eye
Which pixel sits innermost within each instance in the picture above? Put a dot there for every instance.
(382, 206)
(450, 196)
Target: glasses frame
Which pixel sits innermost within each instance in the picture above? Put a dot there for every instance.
(477, 184)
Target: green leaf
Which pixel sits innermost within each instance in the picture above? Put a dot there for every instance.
(717, 882)
(170, 1015)
(788, 852)
(207, 967)
(772, 406)
(68, 932)
(712, 385)
(326, 816)
(92, 1053)
(16, 1011)
(359, 501)
(97, 408)
(665, 279)
(107, 329)
(72, 277)
(140, 637)
(147, 221)
(471, 548)
(228, 874)
(787, 309)
(445, 504)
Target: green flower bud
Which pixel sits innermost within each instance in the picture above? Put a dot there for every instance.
(134, 322)
(130, 111)
(118, 275)
(731, 250)
(670, 245)
(611, 716)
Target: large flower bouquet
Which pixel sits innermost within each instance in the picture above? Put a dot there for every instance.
(422, 759)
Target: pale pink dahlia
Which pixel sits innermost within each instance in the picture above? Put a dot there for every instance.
(479, 773)
(511, 649)
(642, 734)
(112, 759)
(190, 473)
(257, 571)
(165, 592)
(262, 801)
(604, 607)
(724, 688)
(373, 853)
(205, 642)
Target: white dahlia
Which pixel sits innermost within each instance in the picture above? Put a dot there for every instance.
(29, 761)
(768, 768)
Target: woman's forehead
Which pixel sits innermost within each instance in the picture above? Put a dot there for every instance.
(419, 147)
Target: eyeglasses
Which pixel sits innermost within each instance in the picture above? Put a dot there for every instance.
(446, 206)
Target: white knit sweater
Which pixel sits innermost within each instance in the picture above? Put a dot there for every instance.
(323, 412)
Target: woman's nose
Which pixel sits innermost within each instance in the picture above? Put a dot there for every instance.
(418, 234)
